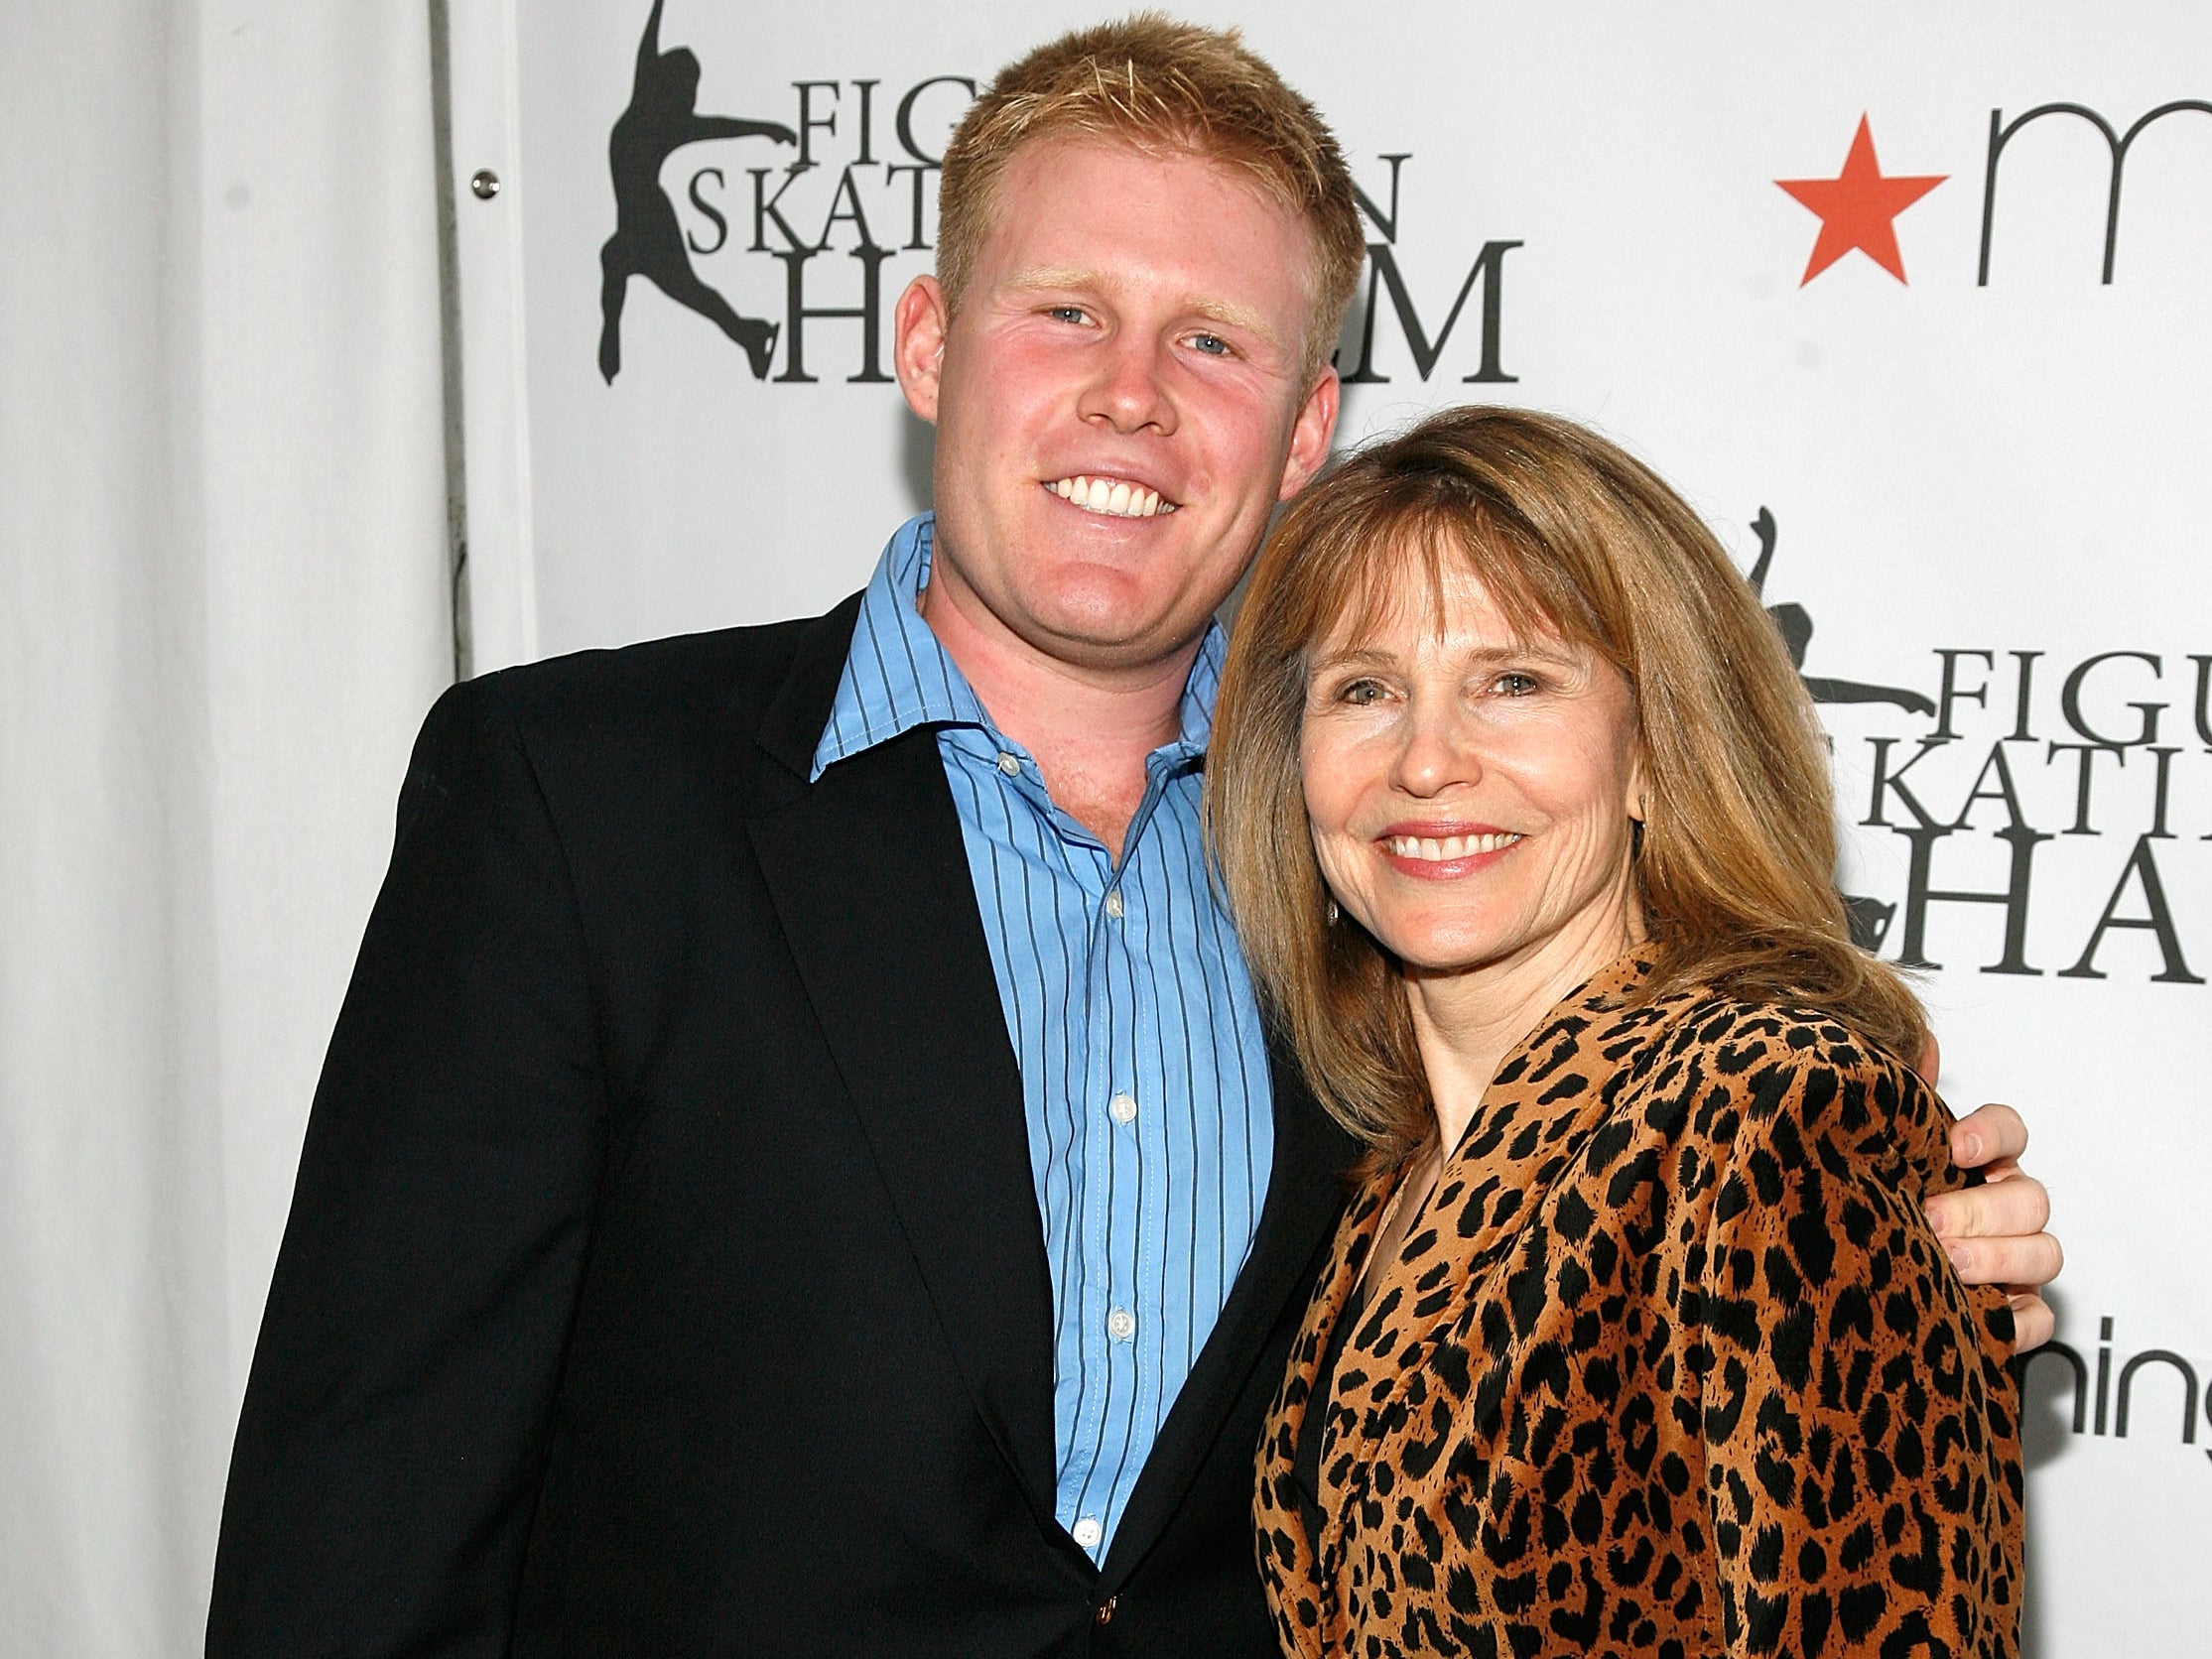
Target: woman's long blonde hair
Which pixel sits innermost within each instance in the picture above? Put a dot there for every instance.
(1572, 537)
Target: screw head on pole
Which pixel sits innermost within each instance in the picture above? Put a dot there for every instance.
(486, 184)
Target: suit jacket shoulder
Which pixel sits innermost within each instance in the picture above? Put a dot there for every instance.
(668, 709)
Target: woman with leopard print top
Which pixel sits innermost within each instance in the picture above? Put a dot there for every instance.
(1633, 1339)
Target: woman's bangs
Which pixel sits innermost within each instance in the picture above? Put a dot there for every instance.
(1386, 562)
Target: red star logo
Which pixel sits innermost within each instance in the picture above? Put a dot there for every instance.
(1856, 209)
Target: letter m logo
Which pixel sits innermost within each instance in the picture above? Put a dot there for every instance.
(1383, 276)
(2116, 143)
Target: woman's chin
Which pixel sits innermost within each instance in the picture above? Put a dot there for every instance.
(1443, 957)
(1445, 953)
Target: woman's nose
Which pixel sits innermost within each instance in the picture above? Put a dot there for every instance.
(1440, 748)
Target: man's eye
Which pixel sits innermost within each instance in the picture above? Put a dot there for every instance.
(1067, 314)
(1212, 344)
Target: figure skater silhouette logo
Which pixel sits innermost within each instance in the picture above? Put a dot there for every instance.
(1870, 918)
(1797, 632)
(647, 241)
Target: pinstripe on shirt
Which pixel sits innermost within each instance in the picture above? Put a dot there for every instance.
(1144, 1069)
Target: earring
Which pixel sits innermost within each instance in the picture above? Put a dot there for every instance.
(1334, 913)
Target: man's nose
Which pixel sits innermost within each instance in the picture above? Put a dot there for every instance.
(1129, 392)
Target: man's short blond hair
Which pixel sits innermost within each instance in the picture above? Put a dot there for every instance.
(1161, 87)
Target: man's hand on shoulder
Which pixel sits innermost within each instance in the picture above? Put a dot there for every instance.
(1995, 1232)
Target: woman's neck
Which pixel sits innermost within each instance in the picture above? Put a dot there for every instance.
(1465, 1022)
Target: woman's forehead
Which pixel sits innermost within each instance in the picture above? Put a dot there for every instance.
(1437, 586)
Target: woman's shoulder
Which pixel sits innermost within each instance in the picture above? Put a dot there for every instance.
(1746, 1031)
(1748, 1071)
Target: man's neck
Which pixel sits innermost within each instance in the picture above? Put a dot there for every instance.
(1090, 729)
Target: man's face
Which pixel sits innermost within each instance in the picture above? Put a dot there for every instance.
(1119, 401)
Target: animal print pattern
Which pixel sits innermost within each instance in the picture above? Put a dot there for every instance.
(1670, 1364)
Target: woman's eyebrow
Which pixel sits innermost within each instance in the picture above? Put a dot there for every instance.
(1351, 656)
(1368, 656)
(1526, 652)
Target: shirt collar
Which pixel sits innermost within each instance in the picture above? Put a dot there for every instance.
(897, 675)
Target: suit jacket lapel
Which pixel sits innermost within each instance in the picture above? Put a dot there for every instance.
(1305, 1192)
(868, 875)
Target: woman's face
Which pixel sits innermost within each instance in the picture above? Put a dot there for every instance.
(1469, 792)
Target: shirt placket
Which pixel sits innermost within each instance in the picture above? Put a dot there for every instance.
(1142, 1138)
(1120, 1300)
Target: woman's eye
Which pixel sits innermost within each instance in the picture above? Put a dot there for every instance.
(1517, 684)
(1359, 693)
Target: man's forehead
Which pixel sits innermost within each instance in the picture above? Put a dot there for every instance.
(1045, 169)
(1046, 174)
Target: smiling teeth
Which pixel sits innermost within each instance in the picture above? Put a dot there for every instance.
(1437, 850)
(1113, 498)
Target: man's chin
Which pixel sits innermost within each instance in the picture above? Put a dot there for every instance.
(1110, 635)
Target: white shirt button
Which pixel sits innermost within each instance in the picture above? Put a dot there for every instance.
(1089, 1532)
(1123, 1108)
(1120, 1324)
(1010, 764)
(1114, 904)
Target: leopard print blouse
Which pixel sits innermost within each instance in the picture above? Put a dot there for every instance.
(1669, 1364)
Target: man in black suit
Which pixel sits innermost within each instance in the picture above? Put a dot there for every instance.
(668, 1270)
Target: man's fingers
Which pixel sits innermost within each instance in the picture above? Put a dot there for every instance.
(2029, 1262)
(2015, 1205)
(2032, 1321)
(1987, 1134)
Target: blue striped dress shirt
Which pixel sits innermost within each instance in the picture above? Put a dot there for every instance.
(1143, 1069)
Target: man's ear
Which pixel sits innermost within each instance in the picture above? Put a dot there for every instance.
(919, 324)
(1310, 435)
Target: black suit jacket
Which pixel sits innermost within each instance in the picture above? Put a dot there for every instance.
(664, 1274)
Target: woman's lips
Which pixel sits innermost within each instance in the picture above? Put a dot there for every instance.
(1440, 852)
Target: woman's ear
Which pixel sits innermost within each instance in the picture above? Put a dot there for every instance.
(1636, 804)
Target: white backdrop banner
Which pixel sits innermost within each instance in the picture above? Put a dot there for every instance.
(223, 616)
(1910, 301)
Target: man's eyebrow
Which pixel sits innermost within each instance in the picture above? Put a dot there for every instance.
(1237, 317)
(1074, 279)
(1053, 275)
